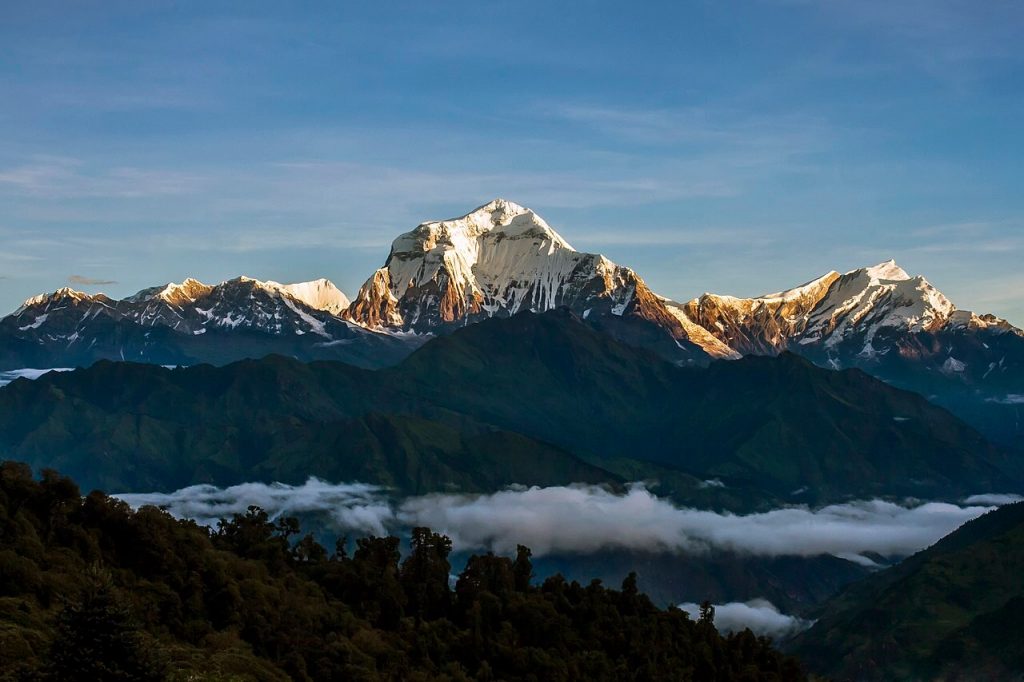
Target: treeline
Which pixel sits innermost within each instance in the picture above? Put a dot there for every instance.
(92, 590)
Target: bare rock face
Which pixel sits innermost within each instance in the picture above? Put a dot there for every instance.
(762, 325)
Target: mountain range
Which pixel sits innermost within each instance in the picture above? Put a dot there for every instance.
(501, 259)
(486, 352)
(531, 399)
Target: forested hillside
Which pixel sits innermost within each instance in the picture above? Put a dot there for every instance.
(91, 590)
(950, 612)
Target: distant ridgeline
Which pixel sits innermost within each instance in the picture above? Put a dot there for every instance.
(532, 400)
(502, 259)
(91, 590)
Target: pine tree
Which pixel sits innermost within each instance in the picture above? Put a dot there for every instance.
(97, 640)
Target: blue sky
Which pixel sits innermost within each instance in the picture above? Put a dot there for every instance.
(736, 147)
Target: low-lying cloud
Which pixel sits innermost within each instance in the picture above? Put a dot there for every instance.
(994, 499)
(586, 519)
(352, 506)
(760, 615)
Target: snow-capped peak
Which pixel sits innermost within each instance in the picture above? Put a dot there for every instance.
(499, 218)
(864, 301)
(833, 309)
(319, 294)
(482, 253)
(175, 294)
(59, 294)
(811, 288)
(886, 271)
(497, 259)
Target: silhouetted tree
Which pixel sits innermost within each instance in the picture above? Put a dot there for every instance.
(424, 574)
(97, 640)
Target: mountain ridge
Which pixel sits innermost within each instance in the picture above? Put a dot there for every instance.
(503, 258)
(189, 323)
(771, 425)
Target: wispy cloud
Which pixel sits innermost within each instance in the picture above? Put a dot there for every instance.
(89, 281)
(683, 236)
(718, 136)
(972, 236)
(56, 177)
(945, 38)
(999, 289)
(15, 257)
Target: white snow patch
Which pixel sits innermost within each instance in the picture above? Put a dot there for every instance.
(953, 366)
(35, 325)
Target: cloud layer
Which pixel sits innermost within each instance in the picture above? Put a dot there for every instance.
(993, 499)
(760, 615)
(586, 519)
(352, 506)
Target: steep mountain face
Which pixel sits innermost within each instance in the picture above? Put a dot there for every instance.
(951, 612)
(502, 259)
(896, 327)
(487, 396)
(191, 322)
(842, 315)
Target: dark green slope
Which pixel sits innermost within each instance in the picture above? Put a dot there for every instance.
(128, 427)
(527, 399)
(549, 376)
(793, 584)
(949, 612)
(777, 424)
(800, 426)
(982, 393)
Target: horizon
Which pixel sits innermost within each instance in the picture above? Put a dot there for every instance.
(734, 150)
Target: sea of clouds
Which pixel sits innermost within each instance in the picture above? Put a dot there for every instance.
(587, 519)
